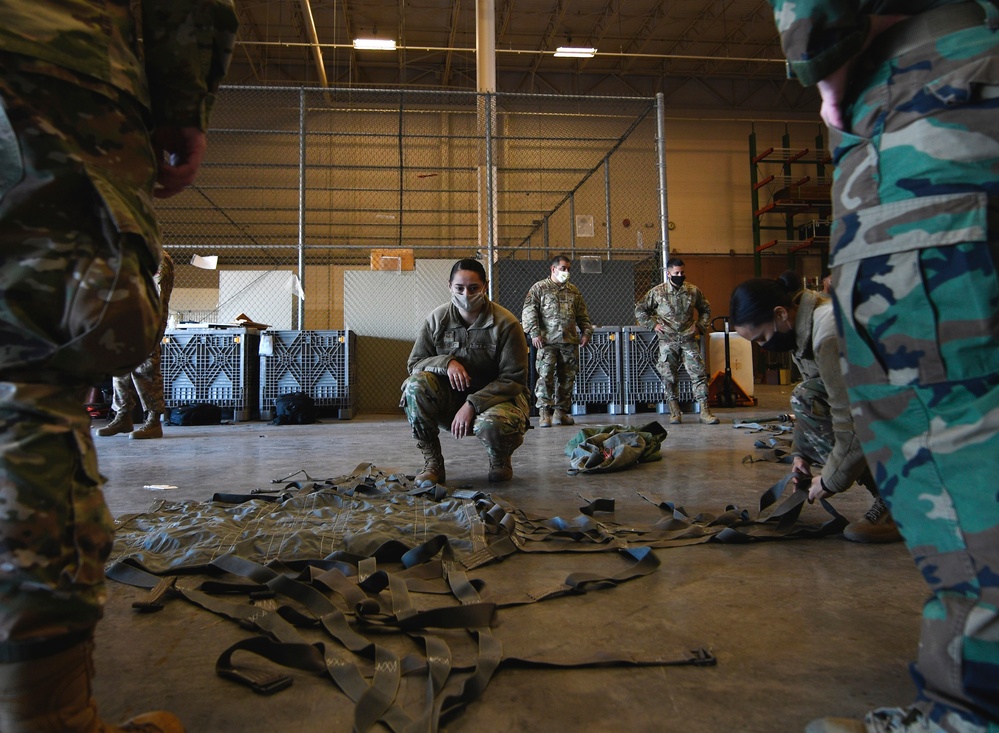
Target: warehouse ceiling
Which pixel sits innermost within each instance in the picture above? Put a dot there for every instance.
(704, 56)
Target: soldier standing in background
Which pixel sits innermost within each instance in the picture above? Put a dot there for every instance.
(91, 128)
(145, 382)
(556, 321)
(680, 314)
(911, 96)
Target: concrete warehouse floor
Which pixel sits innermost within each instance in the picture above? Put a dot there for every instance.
(800, 628)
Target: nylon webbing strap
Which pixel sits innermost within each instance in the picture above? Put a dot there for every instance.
(438, 660)
(356, 596)
(450, 685)
(692, 657)
(645, 563)
(314, 658)
(376, 699)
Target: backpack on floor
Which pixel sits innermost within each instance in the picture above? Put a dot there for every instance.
(601, 448)
(198, 413)
(294, 408)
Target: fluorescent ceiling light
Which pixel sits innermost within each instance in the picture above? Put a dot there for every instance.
(374, 44)
(575, 52)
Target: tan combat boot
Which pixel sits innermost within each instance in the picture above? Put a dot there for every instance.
(545, 417)
(53, 694)
(500, 468)
(151, 428)
(433, 463)
(875, 526)
(500, 453)
(120, 423)
(675, 413)
(562, 417)
(706, 417)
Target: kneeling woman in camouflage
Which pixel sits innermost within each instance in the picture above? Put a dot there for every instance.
(780, 315)
(468, 373)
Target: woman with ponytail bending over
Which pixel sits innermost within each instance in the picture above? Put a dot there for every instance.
(780, 315)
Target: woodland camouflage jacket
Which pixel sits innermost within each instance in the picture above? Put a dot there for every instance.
(819, 36)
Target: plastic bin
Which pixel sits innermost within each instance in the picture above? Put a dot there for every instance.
(212, 365)
(598, 381)
(642, 384)
(318, 363)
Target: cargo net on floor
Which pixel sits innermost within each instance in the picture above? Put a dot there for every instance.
(364, 560)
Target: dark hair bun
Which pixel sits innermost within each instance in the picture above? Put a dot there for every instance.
(792, 281)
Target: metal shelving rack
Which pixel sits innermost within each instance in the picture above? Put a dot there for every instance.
(798, 193)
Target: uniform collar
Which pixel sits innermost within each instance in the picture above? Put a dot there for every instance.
(807, 301)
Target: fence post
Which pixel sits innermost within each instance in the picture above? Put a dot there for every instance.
(572, 223)
(661, 153)
(301, 206)
(607, 203)
(490, 193)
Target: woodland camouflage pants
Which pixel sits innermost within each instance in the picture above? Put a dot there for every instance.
(915, 245)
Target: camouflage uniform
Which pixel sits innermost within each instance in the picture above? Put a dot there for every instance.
(684, 313)
(79, 245)
(145, 382)
(914, 250)
(493, 351)
(823, 428)
(557, 313)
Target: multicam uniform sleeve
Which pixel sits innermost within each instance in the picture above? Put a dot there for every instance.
(647, 310)
(583, 322)
(703, 311)
(846, 462)
(187, 46)
(819, 36)
(530, 318)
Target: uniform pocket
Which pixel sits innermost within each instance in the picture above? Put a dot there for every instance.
(917, 289)
(112, 312)
(858, 171)
(974, 82)
(479, 349)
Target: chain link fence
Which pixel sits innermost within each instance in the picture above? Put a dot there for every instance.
(342, 209)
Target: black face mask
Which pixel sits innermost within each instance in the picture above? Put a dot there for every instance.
(780, 341)
(677, 280)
